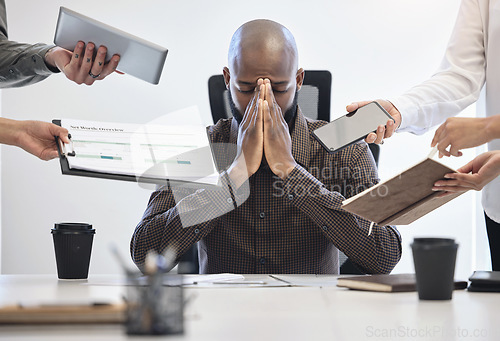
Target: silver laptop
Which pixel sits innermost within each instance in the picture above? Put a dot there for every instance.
(138, 57)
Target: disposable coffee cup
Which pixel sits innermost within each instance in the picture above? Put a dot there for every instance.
(73, 246)
(434, 260)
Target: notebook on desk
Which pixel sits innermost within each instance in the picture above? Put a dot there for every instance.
(484, 281)
(386, 283)
(55, 312)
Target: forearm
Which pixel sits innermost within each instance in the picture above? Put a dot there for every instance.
(177, 219)
(378, 252)
(23, 64)
(9, 131)
(493, 127)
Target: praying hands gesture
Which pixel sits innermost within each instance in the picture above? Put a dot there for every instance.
(263, 135)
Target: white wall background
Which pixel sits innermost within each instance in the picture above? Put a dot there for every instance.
(373, 49)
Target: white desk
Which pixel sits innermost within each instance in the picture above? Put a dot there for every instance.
(274, 313)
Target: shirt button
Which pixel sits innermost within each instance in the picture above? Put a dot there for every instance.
(34, 59)
(325, 228)
(229, 200)
(262, 215)
(262, 261)
(11, 71)
(196, 231)
(290, 197)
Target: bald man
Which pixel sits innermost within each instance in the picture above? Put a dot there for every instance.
(278, 209)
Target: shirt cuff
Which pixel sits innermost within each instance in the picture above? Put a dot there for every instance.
(408, 111)
(37, 59)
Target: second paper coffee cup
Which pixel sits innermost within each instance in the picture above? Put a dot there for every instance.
(73, 247)
(434, 260)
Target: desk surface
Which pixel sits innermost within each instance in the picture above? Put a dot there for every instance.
(272, 313)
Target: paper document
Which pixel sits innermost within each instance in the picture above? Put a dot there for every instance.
(146, 151)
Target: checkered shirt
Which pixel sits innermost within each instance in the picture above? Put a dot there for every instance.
(269, 225)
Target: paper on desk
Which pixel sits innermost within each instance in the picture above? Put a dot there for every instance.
(152, 151)
(196, 279)
(174, 279)
(307, 280)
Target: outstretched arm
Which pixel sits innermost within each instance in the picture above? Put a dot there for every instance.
(35, 137)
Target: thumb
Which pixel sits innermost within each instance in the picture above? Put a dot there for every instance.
(467, 168)
(61, 132)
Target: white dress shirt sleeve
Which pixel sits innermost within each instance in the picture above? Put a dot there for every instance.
(458, 81)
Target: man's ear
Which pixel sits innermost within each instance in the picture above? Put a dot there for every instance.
(300, 78)
(227, 76)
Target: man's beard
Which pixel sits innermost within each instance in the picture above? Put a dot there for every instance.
(289, 114)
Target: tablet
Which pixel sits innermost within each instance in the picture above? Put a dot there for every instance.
(138, 57)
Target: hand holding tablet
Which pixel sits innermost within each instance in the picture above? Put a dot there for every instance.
(138, 57)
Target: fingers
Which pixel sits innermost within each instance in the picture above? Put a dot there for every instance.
(269, 106)
(380, 134)
(390, 128)
(458, 182)
(377, 136)
(251, 111)
(442, 148)
(452, 189)
(454, 151)
(248, 110)
(49, 155)
(371, 137)
(86, 64)
(71, 69)
(464, 169)
(356, 105)
(111, 66)
(382, 131)
(61, 132)
(437, 135)
(96, 71)
(84, 69)
(444, 194)
(451, 183)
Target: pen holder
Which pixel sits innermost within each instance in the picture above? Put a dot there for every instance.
(155, 305)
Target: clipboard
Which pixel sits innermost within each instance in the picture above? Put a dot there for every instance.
(67, 170)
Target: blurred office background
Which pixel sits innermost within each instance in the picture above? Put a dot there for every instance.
(373, 48)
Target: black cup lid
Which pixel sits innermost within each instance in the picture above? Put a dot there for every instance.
(73, 226)
(433, 241)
